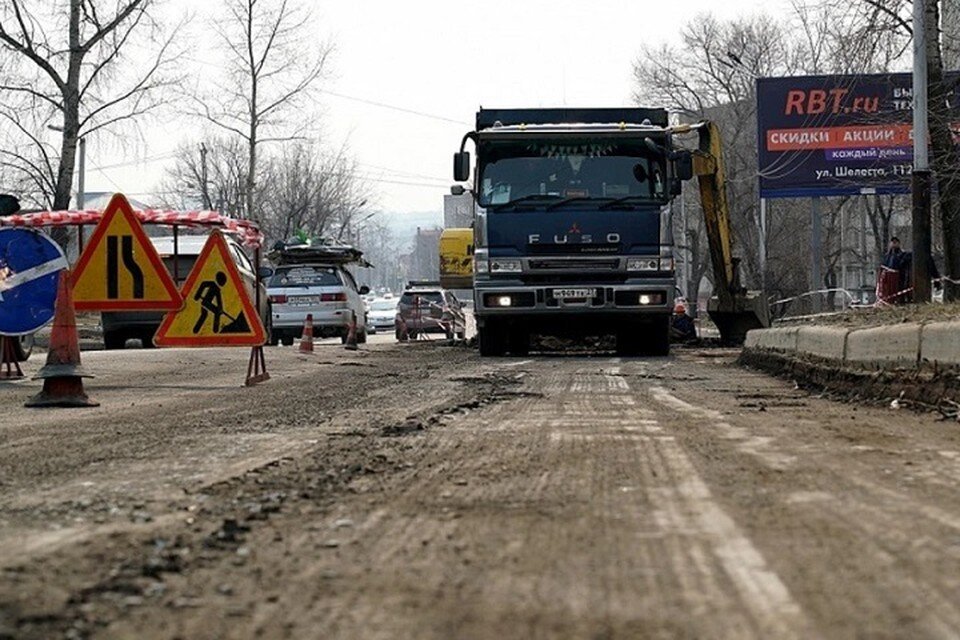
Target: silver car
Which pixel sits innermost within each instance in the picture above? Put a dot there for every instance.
(327, 291)
(381, 315)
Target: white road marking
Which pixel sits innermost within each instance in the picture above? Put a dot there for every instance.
(758, 446)
(700, 535)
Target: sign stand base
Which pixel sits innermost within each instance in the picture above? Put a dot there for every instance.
(9, 364)
(257, 369)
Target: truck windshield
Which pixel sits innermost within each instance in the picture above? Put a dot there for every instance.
(551, 173)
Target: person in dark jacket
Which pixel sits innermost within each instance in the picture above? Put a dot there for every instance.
(893, 258)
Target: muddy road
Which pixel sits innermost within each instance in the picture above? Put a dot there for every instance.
(417, 491)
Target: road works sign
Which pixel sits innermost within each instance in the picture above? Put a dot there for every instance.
(30, 263)
(837, 135)
(120, 269)
(217, 310)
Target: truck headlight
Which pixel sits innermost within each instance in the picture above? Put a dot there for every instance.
(505, 266)
(666, 264)
(643, 264)
(481, 266)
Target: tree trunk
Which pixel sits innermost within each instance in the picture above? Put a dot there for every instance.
(946, 160)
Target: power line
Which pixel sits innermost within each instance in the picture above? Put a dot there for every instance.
(384, 105)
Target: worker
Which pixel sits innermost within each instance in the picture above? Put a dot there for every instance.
(895, 276)
(682, 327)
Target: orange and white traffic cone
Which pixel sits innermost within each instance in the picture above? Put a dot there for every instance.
(62, 375)
(306, 341)
(351, 344)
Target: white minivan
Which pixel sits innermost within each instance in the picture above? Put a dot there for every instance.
(328, 291)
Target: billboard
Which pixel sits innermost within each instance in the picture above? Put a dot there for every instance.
(835, 135)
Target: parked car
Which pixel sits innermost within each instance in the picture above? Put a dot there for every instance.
(382, 315)
(120, 326)
(426, 309)
(328, 291)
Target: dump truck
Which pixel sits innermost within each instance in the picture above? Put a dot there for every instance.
(572, 232)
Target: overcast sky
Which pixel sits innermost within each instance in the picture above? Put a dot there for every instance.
(444, 58)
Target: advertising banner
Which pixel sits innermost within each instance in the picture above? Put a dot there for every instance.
(836, 135)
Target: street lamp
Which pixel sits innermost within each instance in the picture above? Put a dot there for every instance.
(81, 170)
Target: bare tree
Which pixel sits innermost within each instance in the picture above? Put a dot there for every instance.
(313, 192)
(712, 75)
(209, 175)
(273, 65)
(69, 69)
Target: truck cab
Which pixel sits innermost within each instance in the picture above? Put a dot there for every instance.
(572, 232)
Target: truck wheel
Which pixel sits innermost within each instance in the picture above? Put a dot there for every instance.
(362, 337)
(401, 336)
(492, 340)
(519, 341)
(287, 340)
(630, 341)
(114, 340)
(657, 338)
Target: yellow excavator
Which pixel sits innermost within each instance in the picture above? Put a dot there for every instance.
(733, 309)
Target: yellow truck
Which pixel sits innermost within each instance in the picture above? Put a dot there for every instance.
(456, 259)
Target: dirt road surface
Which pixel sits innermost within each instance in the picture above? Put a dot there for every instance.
(417, 491)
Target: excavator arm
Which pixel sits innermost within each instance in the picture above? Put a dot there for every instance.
(733, 309)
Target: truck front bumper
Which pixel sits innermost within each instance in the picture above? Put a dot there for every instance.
(633, 297)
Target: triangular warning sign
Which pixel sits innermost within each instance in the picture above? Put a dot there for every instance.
(217, 310)
(120, 269)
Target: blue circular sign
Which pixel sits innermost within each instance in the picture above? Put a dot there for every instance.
(30, 264)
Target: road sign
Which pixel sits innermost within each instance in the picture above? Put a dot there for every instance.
(217, 310)
(30, 263)
(120, 269)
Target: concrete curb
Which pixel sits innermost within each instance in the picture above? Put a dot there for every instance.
(900, 346)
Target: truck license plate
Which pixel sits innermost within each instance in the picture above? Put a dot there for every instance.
(567, 294)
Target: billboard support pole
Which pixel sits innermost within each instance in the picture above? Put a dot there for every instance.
(763, 244)
(816, 251)
(920, 182)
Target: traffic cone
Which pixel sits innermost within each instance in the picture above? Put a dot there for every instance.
(352, 333)
(306, 341)
(9, 365)
(62, 375)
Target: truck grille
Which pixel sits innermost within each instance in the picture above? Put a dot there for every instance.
(574, 278)
(578, 264)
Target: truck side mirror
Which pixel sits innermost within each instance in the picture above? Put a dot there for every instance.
(683, 166)
(264, 272)
(461, 166)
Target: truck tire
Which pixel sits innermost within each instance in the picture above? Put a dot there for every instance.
(657, 341)
(630, 341)
(493, 340)
(519, 342)
(114, 340)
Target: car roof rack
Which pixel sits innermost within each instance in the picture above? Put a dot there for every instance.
(423, 284)
(323, 251)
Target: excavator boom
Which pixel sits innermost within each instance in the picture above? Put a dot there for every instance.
(733, 309)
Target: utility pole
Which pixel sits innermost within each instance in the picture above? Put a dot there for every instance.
(920, 183)
(204, 193)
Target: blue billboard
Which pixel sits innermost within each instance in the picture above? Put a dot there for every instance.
(835, 135)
